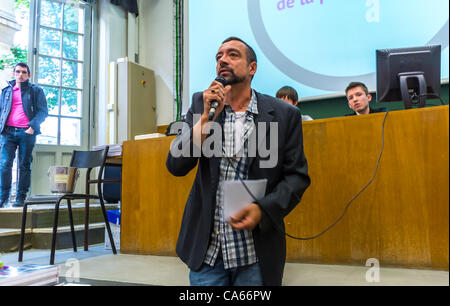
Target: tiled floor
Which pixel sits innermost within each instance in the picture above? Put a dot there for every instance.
(101, 264)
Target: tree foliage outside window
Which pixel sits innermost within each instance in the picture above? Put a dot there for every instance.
(17, 54)
(22, 4)
(18, 51)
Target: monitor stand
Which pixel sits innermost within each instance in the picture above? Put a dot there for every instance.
(404, 88)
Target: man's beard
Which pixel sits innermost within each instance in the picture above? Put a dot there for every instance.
(234, 79)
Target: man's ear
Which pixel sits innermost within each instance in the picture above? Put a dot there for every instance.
(252, 68)
(295, 103)
(369, 97)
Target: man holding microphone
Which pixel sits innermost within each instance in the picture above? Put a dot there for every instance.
(250, 249)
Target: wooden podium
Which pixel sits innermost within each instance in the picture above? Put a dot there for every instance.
(401, 219)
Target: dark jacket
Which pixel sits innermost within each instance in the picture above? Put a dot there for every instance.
(33, 101)
(286, 184)
(371, 111)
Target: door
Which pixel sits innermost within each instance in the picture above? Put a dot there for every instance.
(60, 60)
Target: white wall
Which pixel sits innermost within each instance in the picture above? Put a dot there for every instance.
(112, 45)
(8, 27)
(156, 52)
(155, 48)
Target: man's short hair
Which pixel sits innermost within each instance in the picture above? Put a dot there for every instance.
(288, 92)
(23, 65)
(357, 84)
(251, 55)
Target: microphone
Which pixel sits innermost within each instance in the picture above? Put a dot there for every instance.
(215, 104)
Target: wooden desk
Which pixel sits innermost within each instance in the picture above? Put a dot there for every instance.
(402, 218)
(114, 161)
(152, 199)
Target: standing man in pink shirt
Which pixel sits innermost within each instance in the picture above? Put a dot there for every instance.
(23, 107)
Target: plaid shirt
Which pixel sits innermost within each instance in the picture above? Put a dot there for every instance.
(237, 246)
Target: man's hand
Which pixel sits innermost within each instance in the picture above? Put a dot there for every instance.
(29, 131)
(248, 218)
(215, 92)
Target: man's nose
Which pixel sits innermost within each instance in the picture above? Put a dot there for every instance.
(222, 62)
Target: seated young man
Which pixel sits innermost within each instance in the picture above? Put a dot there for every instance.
(359, 98)
(289, 95)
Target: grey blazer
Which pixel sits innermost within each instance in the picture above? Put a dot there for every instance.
(287, 182)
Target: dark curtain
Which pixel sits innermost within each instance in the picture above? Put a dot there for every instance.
(129, 5)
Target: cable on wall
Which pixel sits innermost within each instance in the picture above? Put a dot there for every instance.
(178, 56)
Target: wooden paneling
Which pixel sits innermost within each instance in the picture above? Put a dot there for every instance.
(401, 218)
(152, 199)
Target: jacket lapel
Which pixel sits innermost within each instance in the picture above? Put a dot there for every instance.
(214, 162)
(265, 111)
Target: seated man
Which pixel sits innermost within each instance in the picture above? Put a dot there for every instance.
(359, 98)
(289, 95)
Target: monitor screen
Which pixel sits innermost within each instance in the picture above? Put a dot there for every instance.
(408, 74)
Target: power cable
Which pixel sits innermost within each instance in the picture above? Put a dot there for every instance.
(298, 199)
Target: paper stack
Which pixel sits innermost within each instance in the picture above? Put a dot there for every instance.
(148, 136)
(236, 197)
(29, 275)
(114, 149)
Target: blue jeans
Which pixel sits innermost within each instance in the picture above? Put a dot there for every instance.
(11, 139)
(218, 276)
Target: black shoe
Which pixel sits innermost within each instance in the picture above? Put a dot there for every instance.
(18, 204)
(3, 203)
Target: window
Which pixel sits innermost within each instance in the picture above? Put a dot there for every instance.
(60, 49)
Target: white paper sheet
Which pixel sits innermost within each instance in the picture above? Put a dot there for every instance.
(236, 197)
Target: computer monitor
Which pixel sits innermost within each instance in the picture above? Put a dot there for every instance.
(409, 75)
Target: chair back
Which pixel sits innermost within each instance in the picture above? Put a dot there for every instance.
(88, 159)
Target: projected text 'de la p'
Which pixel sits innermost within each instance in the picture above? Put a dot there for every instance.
(287, 4)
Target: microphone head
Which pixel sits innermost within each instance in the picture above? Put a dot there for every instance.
(222, 80)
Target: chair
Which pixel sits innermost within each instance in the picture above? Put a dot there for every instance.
(83, 160)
